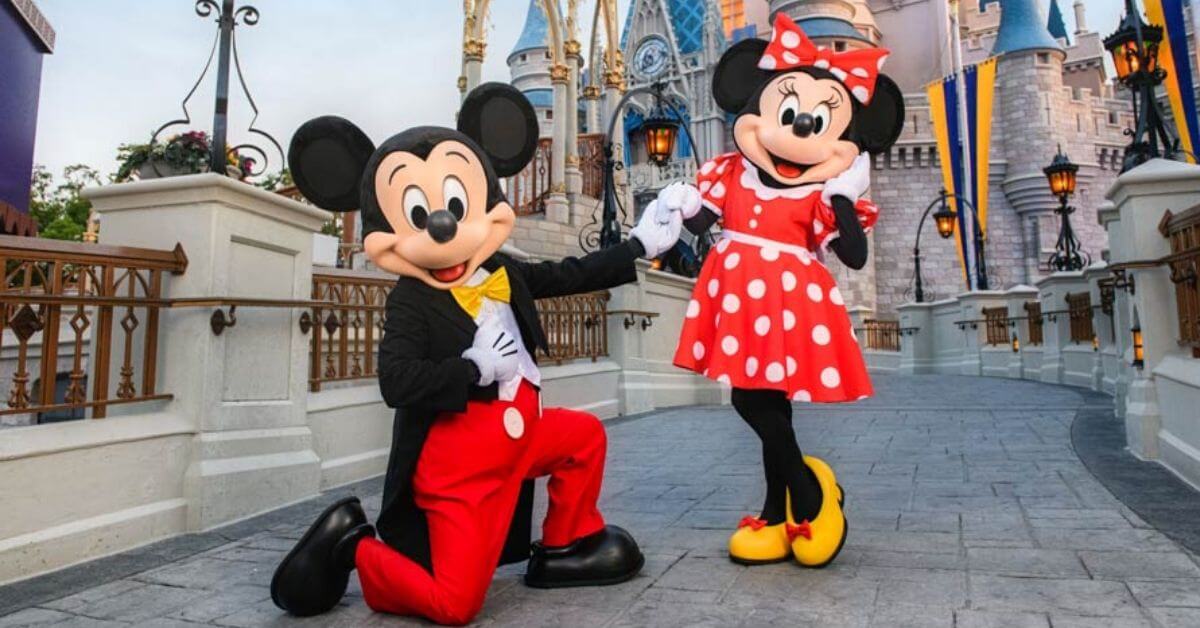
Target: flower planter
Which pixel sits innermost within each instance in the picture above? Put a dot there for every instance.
(160, 168)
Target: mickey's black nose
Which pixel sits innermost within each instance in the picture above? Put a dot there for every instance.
(803, 126)
(442, 226)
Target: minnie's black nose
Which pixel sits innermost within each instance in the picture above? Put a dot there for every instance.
(803, 126)
(442, 226)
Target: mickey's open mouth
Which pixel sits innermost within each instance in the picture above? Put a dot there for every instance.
(450, 274)
(787, 169)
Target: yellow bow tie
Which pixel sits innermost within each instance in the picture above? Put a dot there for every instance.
(496, 288)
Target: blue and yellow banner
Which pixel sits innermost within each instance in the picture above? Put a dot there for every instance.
(980, 83)
(1173, 56)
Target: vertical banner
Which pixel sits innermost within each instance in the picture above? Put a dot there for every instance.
(980, 82)
(1173, 56)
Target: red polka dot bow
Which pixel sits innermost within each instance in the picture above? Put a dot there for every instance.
(790, 49)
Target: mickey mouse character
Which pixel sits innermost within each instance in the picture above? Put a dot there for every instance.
(766, 316)
(457, 362)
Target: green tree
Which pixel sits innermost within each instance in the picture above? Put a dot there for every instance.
(61, 213)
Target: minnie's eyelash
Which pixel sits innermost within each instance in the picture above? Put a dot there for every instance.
(788, 89)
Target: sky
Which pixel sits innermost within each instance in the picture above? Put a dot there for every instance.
(120, 69)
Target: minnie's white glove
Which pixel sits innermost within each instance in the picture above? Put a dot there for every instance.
(852, 183)
(494, 353)
(682, 197)
(658, 230)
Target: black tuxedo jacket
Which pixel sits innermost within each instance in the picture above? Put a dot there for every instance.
(422, 374)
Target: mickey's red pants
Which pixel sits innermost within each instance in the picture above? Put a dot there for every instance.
(467, 481)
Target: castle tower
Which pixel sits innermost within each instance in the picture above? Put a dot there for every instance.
(839, 24)
(529, 66)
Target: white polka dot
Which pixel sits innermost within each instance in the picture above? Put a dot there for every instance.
(751, 366)
(835, 296)
(789, 281)
(722, 245)
(693, 309)
(718, 190)
(762, 325)
(790, 39)
(821, 63)
(814, 293)
(830, 378)
(767, 63)
(758, 209)
(859, 72)
(729, 345)
(881, 60)
(839, 73)
(821, 335)
(708, 167)
(721, 170)
(791, 366)
(805, 258)
(724, 379)
(705, 186)
(514, 423)
(732, 260)
(818, 227)
(717, 320)
(774, 372)
(790, 58)
(861, 93)
(769, 253)
(698, 350)
(714, 287)
(753, 223)
(802, 395)
(789, 320)
(731, 303)
(756, 289)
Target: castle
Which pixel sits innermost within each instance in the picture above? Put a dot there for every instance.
(1051, 90)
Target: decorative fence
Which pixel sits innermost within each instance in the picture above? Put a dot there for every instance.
(527, 190)
(345, 336)
(1079, 308)
(1033, 317)
(591, 163)
(996, 324)
(109, 299)
(1183, 232)
(882, 335)
(575, 326)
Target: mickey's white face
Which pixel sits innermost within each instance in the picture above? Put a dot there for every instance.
(442, 230)
(796, 136)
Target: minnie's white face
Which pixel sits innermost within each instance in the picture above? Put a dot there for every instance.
(796, 136)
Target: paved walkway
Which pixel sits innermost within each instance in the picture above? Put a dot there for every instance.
(967, 507)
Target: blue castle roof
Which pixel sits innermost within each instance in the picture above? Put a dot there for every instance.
(830, 27)
(536, 31)
(687, 21)
(1056, 26)
(1022, 28)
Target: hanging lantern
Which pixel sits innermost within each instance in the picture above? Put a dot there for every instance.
(661, 133)
(1139, 354)
(1061, 174)
(1130, 58)
(945, 220)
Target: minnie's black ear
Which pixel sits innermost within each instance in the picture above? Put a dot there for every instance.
(878, 125)
(327, 157)
(500, 119)
(738, 77)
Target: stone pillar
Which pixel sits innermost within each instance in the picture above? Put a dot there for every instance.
(1102, 324)
(1018, 296)
(1056, 323)
(574, 178)
(1119, 355)
(970, 314)
(473, 52)
(916, 345)
(591, 100)
(246, 389)
(614, 90)
(1080, 18)
(558, 208)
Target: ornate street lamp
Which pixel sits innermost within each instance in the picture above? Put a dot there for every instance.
(1061, 174)
(1139, 352)
(661, 133)
(944, 218)
(1134, 50)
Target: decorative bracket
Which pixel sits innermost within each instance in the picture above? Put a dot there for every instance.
(219, 321)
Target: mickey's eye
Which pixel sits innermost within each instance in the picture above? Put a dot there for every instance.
(822, 116)
(416, 207)
(455, 196)
(788, 110)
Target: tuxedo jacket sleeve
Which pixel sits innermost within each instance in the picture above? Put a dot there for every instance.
(603, 269)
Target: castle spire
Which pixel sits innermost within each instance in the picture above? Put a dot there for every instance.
(534, 34)
(1056, 25)
(1022, 28)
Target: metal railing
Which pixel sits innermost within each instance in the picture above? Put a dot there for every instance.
(346, 335)
(1183, 232)
(576, 326)
(90, 308)
(996, 324)
(882, 335)
(591, 163)
(1033, 316)
(527, 190)
(1079, 308)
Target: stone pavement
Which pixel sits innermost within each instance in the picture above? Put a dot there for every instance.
(967, 507)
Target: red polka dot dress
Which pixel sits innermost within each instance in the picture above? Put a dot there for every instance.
(766, 313)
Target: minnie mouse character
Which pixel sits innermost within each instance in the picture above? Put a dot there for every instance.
(766, 316)
(457, 361)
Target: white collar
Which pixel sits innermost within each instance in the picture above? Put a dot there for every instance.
(751, 182)
(479, 277)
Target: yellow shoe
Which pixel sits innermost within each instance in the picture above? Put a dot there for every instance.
(758, 543)
(816, 543)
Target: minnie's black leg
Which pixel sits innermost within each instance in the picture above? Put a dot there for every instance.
(769, 414)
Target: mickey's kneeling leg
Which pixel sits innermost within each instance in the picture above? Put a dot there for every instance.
(609, 556)
(312, 577)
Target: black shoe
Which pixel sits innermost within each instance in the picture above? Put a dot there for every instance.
(609, 556)
(312, 578)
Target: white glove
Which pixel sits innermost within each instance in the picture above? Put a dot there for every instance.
(681, 196)
(658, 230)
(494, 353)
(852, 183)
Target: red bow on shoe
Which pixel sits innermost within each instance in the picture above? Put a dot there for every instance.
(790, 49)
(803, 530)
(754, 523)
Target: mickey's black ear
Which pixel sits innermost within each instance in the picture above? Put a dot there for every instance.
(738, 77)
(500, 119)
(327, 158)
(878, 125)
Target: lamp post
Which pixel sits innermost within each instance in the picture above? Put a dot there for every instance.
(1134, 50)
(944, 218)
(1061, 175)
